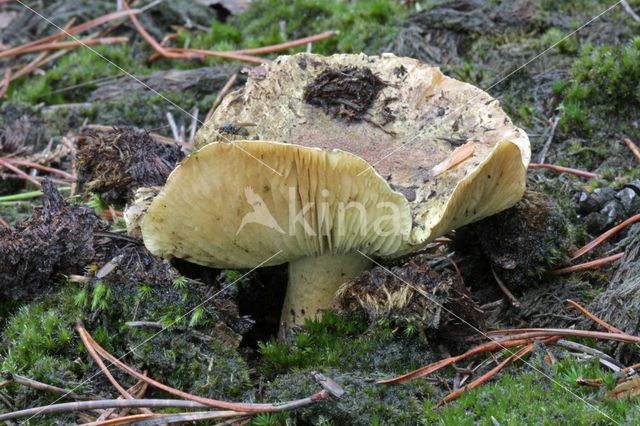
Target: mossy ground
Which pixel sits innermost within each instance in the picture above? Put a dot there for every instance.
(590, 82)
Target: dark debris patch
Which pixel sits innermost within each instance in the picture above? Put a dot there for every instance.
(346, 93)
(56, 240)
(116, 163)
(427, 302)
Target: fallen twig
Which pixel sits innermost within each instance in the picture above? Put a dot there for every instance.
(153, 42)
(604, 236)
(83, 335)
(244, 407)
(221, 94)
(564, 170)
(480, 380)
(587, 265)
(38, 166)
(287, 45)
(529, 333)
(516, 304)
(547, 144)
(69, 32)
(189, 54)
(7, 80)
(591, 351)
(6, 225)
(20, 173)
(102, 404)
(13, 377)
(609, 327)
(633, 147)
(630, 11)
(73, 44)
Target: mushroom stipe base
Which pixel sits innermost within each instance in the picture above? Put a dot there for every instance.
(313, 282)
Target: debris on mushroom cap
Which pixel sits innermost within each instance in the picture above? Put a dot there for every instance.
(233, 205)
(415, 122)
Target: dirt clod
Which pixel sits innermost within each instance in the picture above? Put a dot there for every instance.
(428, 302)
(56, 240)
(346, 93)
(116, 163)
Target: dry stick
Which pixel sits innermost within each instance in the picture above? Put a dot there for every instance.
(6, 225)
(20, 173)
(587, 265)
(143, 389)
(529, 333)
(564, 170)
(630, 11)
(244, 407)
(45, 387)
(243, 53)
(428, 369)
(73, 44)
(7, 80)
(628, 369)
(604, 236)
(505, 290)
(287, 45)
(221, 94)
(83, 335)
(38, 166)
(588, 350)
(139, 384)
(5, 383)
(156, 46)
(633, 147)
(68, 32)
(547, 144)
(102, 404)
(609, 327)
(189, 54)
(480, 380)
(157, 419)
(37, 178)
(27, 69)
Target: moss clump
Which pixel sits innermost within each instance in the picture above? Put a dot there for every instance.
(521, 243)
(531, 398)
(345, 341)
(81, 66)
(345, 348)
(605, 82)
(364, 26)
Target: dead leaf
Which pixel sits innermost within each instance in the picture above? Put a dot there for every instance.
(460, 154)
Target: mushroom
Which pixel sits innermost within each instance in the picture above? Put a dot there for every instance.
(305, 183)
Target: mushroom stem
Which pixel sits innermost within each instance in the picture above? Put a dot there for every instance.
(313, 282)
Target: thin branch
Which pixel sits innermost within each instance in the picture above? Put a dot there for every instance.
(530, 333)
(24, 381)
(20, 173)
(287, 45)
(516, 304)
(564, 170)
(547, 144)
(69, 32)
(244, 407)
(609, 327)
(40, 167)
(587, 265)
(73, 44)
(83, 335)
(604, 236)
(630, 11)
(102, 404)
(6, 225)
(221, 94)
(633, 147)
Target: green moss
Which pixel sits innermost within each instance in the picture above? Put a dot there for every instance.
(364, 26)
(605, 84)
(530, 398)
(81, 66)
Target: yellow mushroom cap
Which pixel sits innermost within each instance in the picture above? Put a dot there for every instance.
(451, 154)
